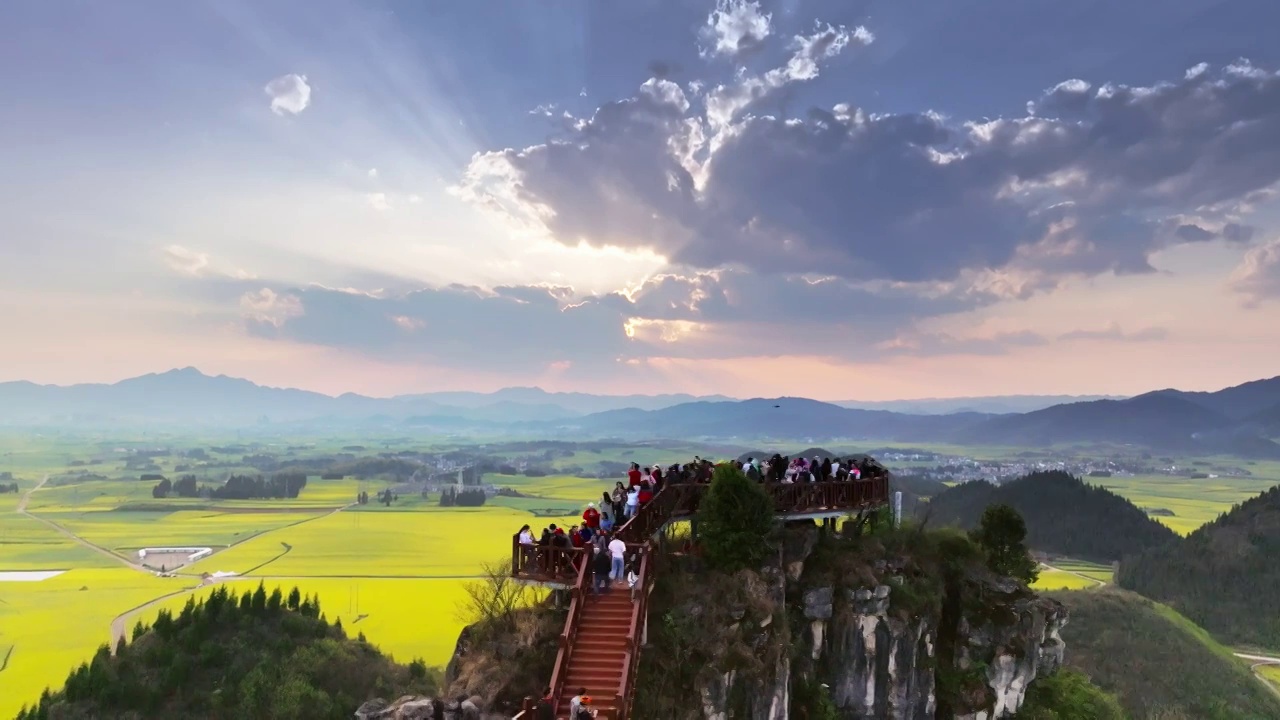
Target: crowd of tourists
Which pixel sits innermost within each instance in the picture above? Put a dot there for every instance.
(777, 469)
(601, 522)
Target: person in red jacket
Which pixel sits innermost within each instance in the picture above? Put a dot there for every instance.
(575, 537)
(633, 475)
(591, 517)
(646, 493)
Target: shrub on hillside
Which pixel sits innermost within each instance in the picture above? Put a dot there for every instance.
(1068, 695)
(735, 521)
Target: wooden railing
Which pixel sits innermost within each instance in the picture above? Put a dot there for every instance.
(635, 633)
(549, 562)
(570, 632)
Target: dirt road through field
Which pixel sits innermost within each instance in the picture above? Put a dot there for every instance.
(22, 508)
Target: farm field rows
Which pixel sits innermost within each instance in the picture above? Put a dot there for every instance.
(451, 542)
(1061, 580)
(1193, 502)
(397, 574)
(28, 544)
(1095, 571)
(126, 531)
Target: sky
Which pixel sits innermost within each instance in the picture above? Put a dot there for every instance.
(838, 199)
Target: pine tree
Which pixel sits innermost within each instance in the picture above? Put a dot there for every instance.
(1002, 533)
(735, 520)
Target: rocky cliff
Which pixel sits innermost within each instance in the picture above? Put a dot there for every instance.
(904, 626)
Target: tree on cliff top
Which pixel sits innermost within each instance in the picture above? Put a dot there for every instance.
(1002, 533)
(735, 520)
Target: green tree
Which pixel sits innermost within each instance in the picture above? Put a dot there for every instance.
(735, 520)
(1002, 533)
(1068, 695)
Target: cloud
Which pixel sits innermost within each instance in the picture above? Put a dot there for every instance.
(505, 328)
(734, 27)
(378, 201)
(1093, 178)
(289, 94)
(373, 173)
(1114, 333)
(716, 314)
(266, 308)
(1258, 275)
(184, 261)
(932, 344)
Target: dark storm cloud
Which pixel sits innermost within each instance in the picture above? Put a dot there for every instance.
(1086, 182)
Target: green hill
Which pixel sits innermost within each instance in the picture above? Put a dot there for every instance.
(1064, 515)
(1224, 576)
(252, 656)
(1159, 664)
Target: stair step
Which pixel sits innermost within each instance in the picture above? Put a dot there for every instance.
(604, 609)
(596, 656)
(602, 640)
(606, 623)
(588, 677)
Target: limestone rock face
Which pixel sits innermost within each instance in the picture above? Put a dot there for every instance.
(409, 707)
(1017, 637)
(876, 663)
(880, 666)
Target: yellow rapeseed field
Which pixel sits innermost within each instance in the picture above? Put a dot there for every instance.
(1060, 580)
(55, 624)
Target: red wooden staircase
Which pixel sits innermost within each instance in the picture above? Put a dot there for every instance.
(599, 658)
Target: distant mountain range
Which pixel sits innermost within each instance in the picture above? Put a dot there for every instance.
(1238, 420)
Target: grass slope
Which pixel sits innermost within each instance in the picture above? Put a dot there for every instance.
(1224, 576)
(1158, 663)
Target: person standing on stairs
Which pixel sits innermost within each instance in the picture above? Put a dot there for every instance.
(575, 705)
(618, 554)
(600, 567)
(619, 501)
(633, 501)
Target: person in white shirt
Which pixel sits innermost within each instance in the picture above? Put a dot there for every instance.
(618, 550)
(526, 536)
(633, 500)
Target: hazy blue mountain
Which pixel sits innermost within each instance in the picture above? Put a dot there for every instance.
(994, 405)
(1205, 423)
(1239, 420)
(193, 397)
(777, 418)
(570, 402)
(1237, 402)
